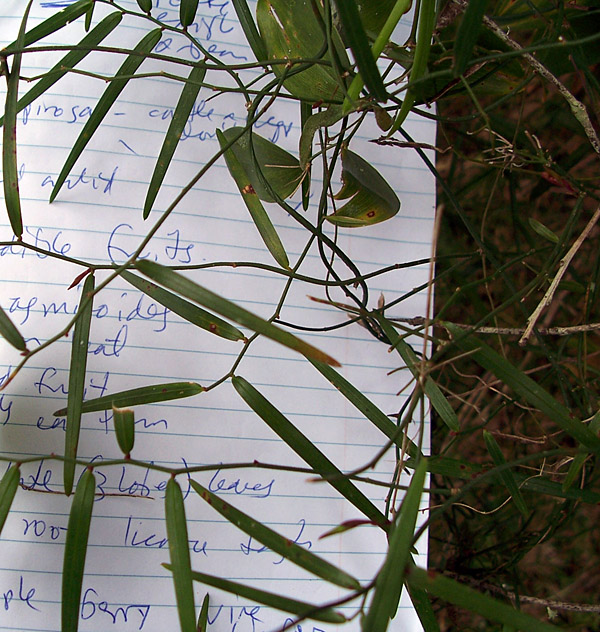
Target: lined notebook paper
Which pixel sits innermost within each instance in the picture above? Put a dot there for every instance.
(97, 218)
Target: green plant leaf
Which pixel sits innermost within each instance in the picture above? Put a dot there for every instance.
(523, 386)
(187, 12)
(467, 33)
(145, 5)
(179, 551)
(505, 475)
(114, 89)
(373, 14)
(453, 468)
(88, 17)
(139, 396)
(375, 415)
(199, 317)
(10, 333)
(8, 489)
(10, 170)
(278, 168)
(253, 204)
(53, 23)
(388, 585)
(306, 450)
(391, 15)
(290, 30)
(305, 114)
(372, 200)
(543, 485)
(79, 352)
(78, 529)
(203, 616)
(176, 127)
(543, 231)
(580, 459)
(277, 543)
(298, 608)
(426, 24)
(422, 604)
(356, 39)
(70, 60)
(330, 116)
(180, 284)
(432, 390)
(124, 421)
(464, 597)
(250, 31)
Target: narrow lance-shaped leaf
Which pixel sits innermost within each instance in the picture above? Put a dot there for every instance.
(542, 485)
(53, 23)
(114, 89)
(305, 114)
(253, 204)
(187, 12)
(473, 601)
(506, 475)
(176, 127)
(543, 231)
(179, 550)
(375, 415)
(390, 579)
(467, 33)
(298, 608)
(78, 529)
(70, 60)
(372, 199)
(389, 12)
(432, 390)
(427, 13)
(465, 470)
(10, 333)
(10, 170)
(311, 125)
(356, 38)
(139, 396)
(79, 349)
(8, 489)
(307, 450)
(182, 285)
(579, 459)
(276, 542)
(124, 421)
(203, 616)
(250, 31)
(89, 16)
(199, 317)
(523, 386)
(422, 604)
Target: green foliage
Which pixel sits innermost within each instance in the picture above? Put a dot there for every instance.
(516, 419)
(76, 545)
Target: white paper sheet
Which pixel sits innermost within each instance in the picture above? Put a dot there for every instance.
(97, 217)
